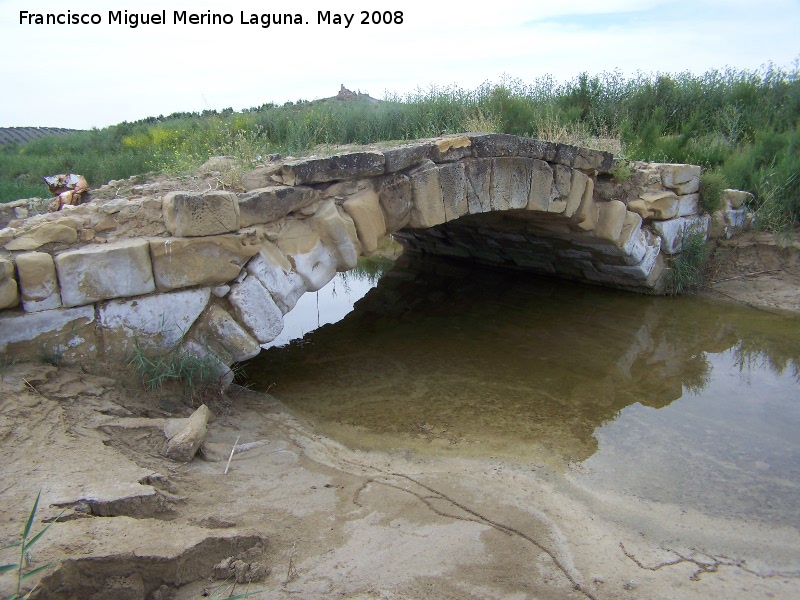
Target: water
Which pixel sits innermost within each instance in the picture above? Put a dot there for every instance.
(682, 401)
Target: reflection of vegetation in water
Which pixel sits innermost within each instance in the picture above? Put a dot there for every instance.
(749, 358)
(370, 268)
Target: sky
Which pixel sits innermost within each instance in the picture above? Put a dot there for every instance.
(95, 75)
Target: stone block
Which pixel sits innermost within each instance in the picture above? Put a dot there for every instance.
(478, 175)
(260, 177)
(210, 358)
(338, 234)
(62, 230)
(735, 220)
(200, 261)
(403, 157)
(9, 294)
(672, 232)
(736, 198)
(688, 205)
(542, 193)
(489, 145)
(68, 334)
(537, 149)
(640, 270)
(101, 272)
(583, 158)
(659, 206)
(185, 436)
(195, 215)
(364, 208)
(218, 331)
(332, 168)
(270, 204)
(155, 322)
(451, 148)
(611, 219)
(271, 267)
(394, 194)
(307, 254)
(256, 310)
(428, 208)
(453, 183)
(38, 281)
(585, 216)
(684, 179)
(510, 185)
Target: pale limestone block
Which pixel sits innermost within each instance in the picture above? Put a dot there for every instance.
(270, 204)
(660, 206)
(586, 215)
(541, 194)
(101, 272)
(510, 183)
(218, 331)
(307, 254)
(735, 220)
(62, 230)
(684, 179)
(611, 219)
(194, 215)
(256, 310)
(394, 193)
(577, 189)
(478, 175)
(736, 198)
(9, 295)
(672, 232)
(200, 261)
(271, 267)
(427, 209)
(153, 322)
(640, 270)
(338, 234)
(688, 205)
(38, 281)
(69, 333)
(453, 183)
(364, 208)
(186, 435)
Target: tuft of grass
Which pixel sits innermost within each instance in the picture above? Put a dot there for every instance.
(712, 185)
(622, 170)
(688, 268)
(24, 544)
(158, 367)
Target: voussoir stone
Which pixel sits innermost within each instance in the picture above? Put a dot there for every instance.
(427, 206)
(269, 204)
(191, 215)
(336, 229)
(219, 331)
(117, 270)
(510, 183)
(307, 254)
(206, 261)
(38, 281)
(271, 267)
(332, 168)
(394, 194)
(364, 208)
(256, 310)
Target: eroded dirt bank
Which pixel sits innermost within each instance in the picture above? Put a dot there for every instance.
(307, 518)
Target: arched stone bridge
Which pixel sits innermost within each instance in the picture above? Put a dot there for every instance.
(215, 272)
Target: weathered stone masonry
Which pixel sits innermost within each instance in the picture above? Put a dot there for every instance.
(216, 271)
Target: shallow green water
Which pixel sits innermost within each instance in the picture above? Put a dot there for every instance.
(682, 400)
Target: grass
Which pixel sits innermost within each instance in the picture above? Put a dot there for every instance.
(712, 186)
(742, 124)
(24, 543)
(688, 268)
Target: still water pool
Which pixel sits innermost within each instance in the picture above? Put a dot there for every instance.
(676, 400)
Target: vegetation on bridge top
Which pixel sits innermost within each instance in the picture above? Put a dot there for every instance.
(744, 125)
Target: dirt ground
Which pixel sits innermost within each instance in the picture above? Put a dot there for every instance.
(300, 516)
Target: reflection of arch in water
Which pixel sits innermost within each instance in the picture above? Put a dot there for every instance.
(443, 354)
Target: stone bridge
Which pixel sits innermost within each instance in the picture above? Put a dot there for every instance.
(214, 272)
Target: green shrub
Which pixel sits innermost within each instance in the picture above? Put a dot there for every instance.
(712, 185)
(688, 267)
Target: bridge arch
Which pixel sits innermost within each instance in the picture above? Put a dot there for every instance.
(214, 272)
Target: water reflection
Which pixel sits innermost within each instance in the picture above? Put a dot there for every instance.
(447, 359)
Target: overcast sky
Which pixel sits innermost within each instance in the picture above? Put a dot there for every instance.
(85, 76)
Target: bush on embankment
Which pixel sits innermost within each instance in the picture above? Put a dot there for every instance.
(743, 124)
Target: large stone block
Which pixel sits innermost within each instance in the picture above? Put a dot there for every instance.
(218, 331)
(611, 219)
(542, 193)
(478, 174)
(307, 254)
(195, 215)
(584, 159)
(364, 208)
(489, 145)
(338, 234)
(426, 192)
(153, 322)
(256, 310)
(450, 148)
(64, 334)
(510, 183)
(9, 295)
(61, 230)
(688, 205)
(643, 269)
(403, 157)
(736, 198)
(106, 271)
(684, 179)
(38, 281)
(394, 194)
(659, 206)
(267, 205)
(200, 261)
(453, 183)
(585, 217)
(271, 267)
(672, 232)
(332, 168)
